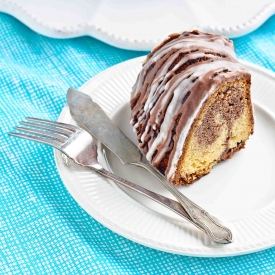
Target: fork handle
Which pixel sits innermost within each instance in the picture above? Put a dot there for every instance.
(215, 230)
(168, 203)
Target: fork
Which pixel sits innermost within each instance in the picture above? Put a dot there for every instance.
(79, 146)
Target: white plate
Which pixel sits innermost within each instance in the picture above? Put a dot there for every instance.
(138, 25)
(240, 190)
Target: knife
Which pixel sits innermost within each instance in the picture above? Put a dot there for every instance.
(95, 121)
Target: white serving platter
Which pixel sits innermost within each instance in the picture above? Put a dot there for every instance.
(138, 25)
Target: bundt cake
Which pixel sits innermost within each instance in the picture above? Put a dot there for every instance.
(191, 105)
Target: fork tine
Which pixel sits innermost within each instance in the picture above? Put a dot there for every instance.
(55, 123)
(46, 141)
(49, 128)
(61, 138)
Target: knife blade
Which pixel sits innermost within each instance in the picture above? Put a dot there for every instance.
(91, 117)
(96, 122)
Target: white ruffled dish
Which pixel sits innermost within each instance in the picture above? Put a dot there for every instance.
(138, 25)
(240, 190)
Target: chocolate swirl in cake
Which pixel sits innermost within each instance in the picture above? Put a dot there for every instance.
(177, 77)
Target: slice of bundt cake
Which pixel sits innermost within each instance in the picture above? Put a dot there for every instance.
(191, 105)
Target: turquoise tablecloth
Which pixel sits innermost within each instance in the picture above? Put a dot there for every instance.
(42, 229)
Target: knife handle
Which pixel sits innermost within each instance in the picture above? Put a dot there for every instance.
(162, 200)
(214, 229)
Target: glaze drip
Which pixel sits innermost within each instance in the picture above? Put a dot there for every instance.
(177, 77)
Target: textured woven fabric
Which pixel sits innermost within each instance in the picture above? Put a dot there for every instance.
(42, 229)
